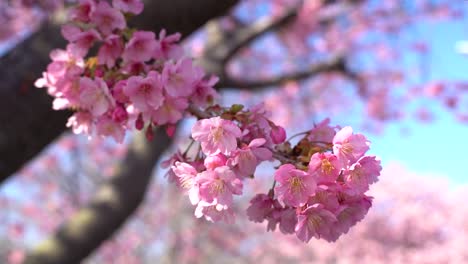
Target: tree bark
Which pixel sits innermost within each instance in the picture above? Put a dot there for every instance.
(114, 202)
(27, 121)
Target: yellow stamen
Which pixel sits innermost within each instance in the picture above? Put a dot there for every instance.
(296, 184)
(327, 167)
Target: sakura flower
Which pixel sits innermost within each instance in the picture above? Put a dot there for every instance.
(106, 127)
(204, 92)
(278, 134)
(214, 213)
(107, 18)
(325, 167)
(352, 211)
(65, 63)
(214, 161)
(145, 93)
(260, 207)
(170, 111)
(288, 220)
(110, 50)
(363, 173)
(219, 185)
(216, 135)
(81, 122)
(140, 47)
(172, 177)
(95, 96)
(187, 177)
(295, 185)
(82, 11)
(179, 78)
(129, 6)
(322, 132)
(349, 147)
(83, 40)
(166, 47)
(245, 160)
(315, 221)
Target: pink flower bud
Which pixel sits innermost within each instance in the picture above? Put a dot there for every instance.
(278, 134)
(149, 133)
(212, 162)
(120, 114)
(139, 122)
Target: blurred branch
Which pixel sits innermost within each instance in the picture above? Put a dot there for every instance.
(334, 64)
(223, 46)
(27, 121)
(114, 201)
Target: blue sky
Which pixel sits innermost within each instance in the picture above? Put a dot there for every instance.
(437, 148)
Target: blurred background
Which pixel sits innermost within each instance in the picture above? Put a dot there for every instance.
(394, 70)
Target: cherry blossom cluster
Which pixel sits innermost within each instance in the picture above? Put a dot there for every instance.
(319, 187)
(116, 78)
(232, 143)
(133, 80)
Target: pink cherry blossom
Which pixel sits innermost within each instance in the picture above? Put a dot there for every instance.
(219, 185)
(107, 127)
(349, 147)
(216, 135)
(204, 91)
(82, 11)
(110, 50)
(118, 92)
(145, 92)
(351, 212)
(187, 174)
(83, 40)
(214, 213)
(179, 78)
(363, 173)
(95, 96)
(171, 111)
(166, 47)
(246, 159)
(278, 134)
(314, 221)
(81, 122)
(325, 167)
(260, 207)
(107, 18)
(322, 132)
(130, 6)
(295, 185)
(214, 161)
(140, 47)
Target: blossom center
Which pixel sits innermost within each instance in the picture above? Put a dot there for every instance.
(347, 148)
(296, 184)
(217, 134)
(314, 222)
(327, 167)
(217, 187)
(146, 88)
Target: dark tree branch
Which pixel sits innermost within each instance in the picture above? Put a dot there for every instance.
(27, 121)
(221, 48)
(334, 64)
(113, 203)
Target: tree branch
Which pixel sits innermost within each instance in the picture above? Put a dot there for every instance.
(223, 47)
(335, 64)
(110, 207)
(27, 121)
